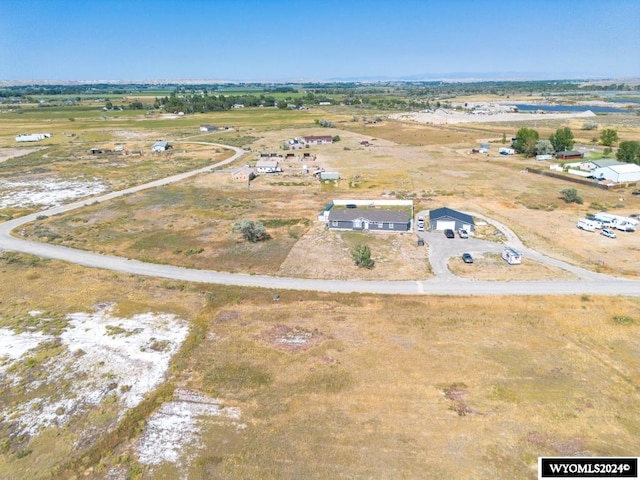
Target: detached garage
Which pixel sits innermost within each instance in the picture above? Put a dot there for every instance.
(446, 218)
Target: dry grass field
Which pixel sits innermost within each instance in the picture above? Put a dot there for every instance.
(351, 386)
(289, 385)
(191, 224)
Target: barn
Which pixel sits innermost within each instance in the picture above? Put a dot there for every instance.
(620, 173)
(446, 218)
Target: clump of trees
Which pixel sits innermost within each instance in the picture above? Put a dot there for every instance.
(252, 231)
(528, 141)
(570, 195)
(544, 147)
(629, 151)
(590, 125)
(324, 123)
(562, 140)
(608, 137)
(525, 142)
(361, 255)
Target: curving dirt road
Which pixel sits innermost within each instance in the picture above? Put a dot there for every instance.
(444, 284)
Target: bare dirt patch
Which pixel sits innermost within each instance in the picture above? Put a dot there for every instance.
(322, 253)
(9, 153)
(291, 339)
(441, 117)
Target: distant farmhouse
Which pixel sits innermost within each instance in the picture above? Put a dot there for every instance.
(160, 146)
(295, 143)
(269, 165)
(243, 174)
(33, 137)
(317, 140)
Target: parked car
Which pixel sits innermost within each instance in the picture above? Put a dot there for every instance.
(421, 227)
(607, 232)
(449, 233)
(462, 233)
(467, 258)
(635, 192)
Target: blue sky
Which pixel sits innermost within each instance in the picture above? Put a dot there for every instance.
(287, 40)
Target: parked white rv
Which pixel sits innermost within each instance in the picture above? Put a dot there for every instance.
(606, 219)
(625, 226)
(512, 256)
(588, 225)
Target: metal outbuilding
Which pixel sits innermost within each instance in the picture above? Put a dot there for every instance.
(446, 218)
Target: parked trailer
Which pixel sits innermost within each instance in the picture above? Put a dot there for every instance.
(626, 224)
(606, 219)
(588, 225)
(511, 256)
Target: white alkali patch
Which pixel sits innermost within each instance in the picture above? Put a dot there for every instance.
(106, 355)
(176, 425)
(48, 193)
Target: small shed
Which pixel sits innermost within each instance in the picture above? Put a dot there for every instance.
(329, 176)
(160, 146)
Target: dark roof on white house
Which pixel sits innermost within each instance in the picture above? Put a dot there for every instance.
(445, 212)
(569, 153)
(606, 162)
(371, 214)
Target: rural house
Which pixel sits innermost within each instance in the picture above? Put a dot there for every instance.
(160, 146)
(447, 218)
(243, 174)
(317, 140)
(373, 219)
(268, 166)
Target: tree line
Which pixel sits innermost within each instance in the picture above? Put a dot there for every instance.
(528, 142)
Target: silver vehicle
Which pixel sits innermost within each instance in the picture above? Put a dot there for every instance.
(607, 232)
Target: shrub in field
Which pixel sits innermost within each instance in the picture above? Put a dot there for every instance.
(570, 195)
(252, 231)
(361, 254)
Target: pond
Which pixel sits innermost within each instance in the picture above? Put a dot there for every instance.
(527, 107)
